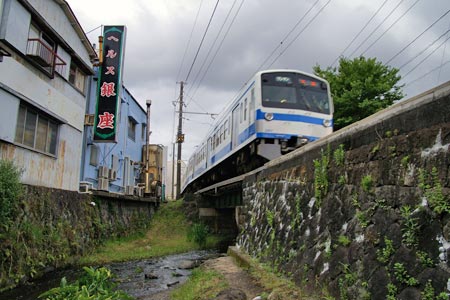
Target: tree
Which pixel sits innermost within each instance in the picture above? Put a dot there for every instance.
(360, 87)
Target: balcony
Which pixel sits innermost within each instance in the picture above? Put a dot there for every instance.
(44, 56)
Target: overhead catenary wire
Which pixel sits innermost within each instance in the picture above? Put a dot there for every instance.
(417, 37)
(426, 57)
(303, 29)
(376, 28)
(390, 27)
(443, 55)
(423, 50)
(359, 33)
(428, 73)
(220, 46)
(212, 46)
(286, 36)
(203, 39)
(189, 40)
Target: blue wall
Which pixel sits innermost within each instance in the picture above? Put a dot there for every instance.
(125, 146)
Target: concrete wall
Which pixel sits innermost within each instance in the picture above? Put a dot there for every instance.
(363, 213)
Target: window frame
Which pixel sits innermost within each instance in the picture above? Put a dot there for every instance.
(133, 129)
(51, 135)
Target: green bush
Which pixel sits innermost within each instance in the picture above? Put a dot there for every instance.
(95, 285)
(10, 190)
(198, 233)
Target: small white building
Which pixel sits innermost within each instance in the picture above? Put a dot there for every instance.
(46, 61)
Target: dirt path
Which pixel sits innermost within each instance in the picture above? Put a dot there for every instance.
(237, 278)
(239, 281)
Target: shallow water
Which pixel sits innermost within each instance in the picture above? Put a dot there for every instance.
(139, 279)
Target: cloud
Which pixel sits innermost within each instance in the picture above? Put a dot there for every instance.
(158, 32)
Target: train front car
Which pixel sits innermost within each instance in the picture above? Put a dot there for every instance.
(294, 108)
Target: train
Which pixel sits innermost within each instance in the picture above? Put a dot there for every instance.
(276, 112)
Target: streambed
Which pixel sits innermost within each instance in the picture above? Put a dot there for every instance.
(140, 279)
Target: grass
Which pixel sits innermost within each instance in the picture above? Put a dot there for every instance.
(167, 235)
(202, 284)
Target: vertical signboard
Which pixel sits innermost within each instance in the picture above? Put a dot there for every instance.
(109, 84)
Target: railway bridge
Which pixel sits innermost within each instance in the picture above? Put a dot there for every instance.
(364, 211)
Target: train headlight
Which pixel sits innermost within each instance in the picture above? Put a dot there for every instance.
(268, 116)
(326, 123)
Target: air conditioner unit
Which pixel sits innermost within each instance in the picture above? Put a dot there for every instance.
(139, 191)
(103, 184)
(103, 172)
(85, 187)
(129, 190)
(89, 120)
(112, 175)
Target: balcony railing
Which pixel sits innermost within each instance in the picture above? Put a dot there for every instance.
(44, 56)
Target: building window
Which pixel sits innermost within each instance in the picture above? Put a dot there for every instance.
(131, 129)
(36, 131)
(143, 133)
(77, 78)
(93, 160)
(42, 50)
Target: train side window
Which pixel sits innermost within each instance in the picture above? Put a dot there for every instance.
(245, 109)
(221, 134)
(252, 106)
(241, 112)
(225, 129)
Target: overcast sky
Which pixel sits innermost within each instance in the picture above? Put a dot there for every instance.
(159, 32)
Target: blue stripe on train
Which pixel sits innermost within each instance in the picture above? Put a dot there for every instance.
(291, 117)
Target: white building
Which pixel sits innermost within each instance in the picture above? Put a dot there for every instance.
(44, 69)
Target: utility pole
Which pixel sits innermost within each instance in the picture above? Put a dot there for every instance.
(180, 139)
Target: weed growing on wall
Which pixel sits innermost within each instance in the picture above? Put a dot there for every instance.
(402, 275)
(384, 254)
(367, 183)
(432, 189)
(410, 226)
(321, 177)
(339, 156)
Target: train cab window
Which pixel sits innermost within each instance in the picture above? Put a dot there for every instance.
(251, 109)
(294, 91)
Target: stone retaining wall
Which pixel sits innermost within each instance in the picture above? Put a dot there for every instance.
(363, 213)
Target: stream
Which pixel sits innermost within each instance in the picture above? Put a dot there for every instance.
(140, 279)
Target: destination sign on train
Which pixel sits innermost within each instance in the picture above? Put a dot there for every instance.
(283, 79)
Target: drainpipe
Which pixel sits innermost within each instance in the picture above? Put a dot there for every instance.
(147, 149)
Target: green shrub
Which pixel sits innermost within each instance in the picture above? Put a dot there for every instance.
(10, 190)
(95, 285)
(198, 233)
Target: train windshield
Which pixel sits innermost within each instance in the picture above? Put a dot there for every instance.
(294, 91)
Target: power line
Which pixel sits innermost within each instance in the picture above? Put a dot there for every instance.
(213, 44)
(426, 57)
(389, 28)
(376, 28)
(443, 55)
(304, 28)
(219, 47)
(356, 36)
(425, 49)
(415, 39)
(428, 73)
(203, 38)
(287, 35)
(190, 38)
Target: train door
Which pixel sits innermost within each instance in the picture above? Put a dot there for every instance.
(235, 127)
